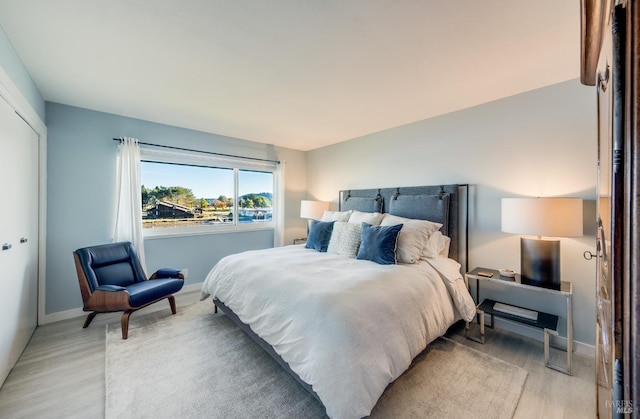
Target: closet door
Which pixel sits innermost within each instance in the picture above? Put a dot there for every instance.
(18, 236)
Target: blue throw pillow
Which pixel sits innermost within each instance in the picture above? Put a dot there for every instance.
(379, 243)
(319, 235)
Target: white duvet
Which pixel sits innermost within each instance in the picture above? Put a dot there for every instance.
(347, 327)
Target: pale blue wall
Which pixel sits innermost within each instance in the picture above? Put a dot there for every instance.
(81, 189)
(13, 66)
(538, 143)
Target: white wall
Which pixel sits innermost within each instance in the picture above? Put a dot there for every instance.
(11, 64)
(539, 143)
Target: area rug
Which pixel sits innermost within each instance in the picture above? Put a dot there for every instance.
(197, 364)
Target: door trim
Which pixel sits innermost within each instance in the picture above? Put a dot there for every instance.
(14, 97)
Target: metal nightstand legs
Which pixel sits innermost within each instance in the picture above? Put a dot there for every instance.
(480, 319)
(547, 343)
(569, 351)
(547, 363)
(548, 325)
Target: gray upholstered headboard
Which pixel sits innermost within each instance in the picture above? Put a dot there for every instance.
(442, 203)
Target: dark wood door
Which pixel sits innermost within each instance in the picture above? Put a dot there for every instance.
(611, 33)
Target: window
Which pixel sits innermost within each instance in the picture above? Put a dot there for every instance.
(189, 193)
(255, 196)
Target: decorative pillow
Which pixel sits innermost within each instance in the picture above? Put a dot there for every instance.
(379, 243)
(336, 216)
(437, 245)
(319, 235)
(345, 239)
(372, 218)
(413, 237)
(389, 219)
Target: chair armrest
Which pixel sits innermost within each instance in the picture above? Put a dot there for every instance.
(111, 288)
(167, 273)
(108, 298)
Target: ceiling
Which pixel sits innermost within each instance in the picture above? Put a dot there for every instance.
(294, 73)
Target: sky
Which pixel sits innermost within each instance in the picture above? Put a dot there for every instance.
(204, 182)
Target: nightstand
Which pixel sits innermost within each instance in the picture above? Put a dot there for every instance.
(524, 315)
(300, 241)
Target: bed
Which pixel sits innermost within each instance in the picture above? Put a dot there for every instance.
(345, 327)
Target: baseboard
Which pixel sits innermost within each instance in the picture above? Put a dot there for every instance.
(534, 333)
(191, 287)
(63, 315)
(78, 312)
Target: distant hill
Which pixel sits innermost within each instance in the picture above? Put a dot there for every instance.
(252, 200)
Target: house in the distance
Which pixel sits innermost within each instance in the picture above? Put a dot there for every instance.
(165, 209)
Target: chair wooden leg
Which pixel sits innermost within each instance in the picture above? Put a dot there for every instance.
(124, 323)
(89, 319)
(172, 303)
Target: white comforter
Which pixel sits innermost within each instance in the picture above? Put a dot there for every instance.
(347, 327)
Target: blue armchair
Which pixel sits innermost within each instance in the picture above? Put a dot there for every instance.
(111, 279)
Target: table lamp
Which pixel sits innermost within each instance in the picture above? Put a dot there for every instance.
(312, 210)
(549, 217)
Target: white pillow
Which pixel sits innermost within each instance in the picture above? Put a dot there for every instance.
(336, 216)
(437, 245)
(412, 238)
(372, 218)
(394, 219)
(345, 239)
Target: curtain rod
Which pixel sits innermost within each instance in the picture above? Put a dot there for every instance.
(204, 152)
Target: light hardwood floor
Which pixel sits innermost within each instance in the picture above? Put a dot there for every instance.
(61, 372)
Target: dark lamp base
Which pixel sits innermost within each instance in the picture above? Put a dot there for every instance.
(540, 262)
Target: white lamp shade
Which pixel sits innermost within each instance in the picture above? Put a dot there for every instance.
(553, 217)
(313, 209)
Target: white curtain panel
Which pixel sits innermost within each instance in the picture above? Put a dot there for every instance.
(129, 199)
(278, 233)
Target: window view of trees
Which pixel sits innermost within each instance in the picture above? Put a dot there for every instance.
(172, 206)
(176, 194)
(252, 200)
